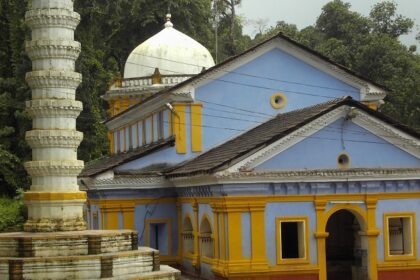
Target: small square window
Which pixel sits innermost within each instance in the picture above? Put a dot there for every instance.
(399, 236)
(292, 239)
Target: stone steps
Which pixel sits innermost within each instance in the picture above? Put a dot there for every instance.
(79, 255)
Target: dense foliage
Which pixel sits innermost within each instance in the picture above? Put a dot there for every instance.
(110, 29)
(12, 214)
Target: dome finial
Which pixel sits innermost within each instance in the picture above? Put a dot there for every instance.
(168, 18)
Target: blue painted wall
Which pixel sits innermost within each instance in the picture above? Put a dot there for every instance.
(388, 206)
(246, 234)
(286, 209)
(320, 150)
(167, 155)
(233, 89)
(156, 211)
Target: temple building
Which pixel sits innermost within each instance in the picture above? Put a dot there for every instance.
(274, 164)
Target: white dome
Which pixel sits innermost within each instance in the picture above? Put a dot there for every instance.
(171, 51)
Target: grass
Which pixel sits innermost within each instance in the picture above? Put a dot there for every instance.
(12, 214)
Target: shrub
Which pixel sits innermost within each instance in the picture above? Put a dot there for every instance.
(12, 213)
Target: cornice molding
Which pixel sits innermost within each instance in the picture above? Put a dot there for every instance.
(300, 176)
(54, 168)
(43, 49)
(383, 130)
(60, 17)
(39, 108)
(54, 138)
(132, 182)
(53, 79)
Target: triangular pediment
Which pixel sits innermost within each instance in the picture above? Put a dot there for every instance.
(348, 133)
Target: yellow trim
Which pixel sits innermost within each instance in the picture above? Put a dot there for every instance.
(111, 142)
(234, 233)
(399, 265)
(258, 253)
(306, 258)
(179, 126)
(111, 220)
(241, 202)
(128, 216)
(168, 222)
(30, 196)
(276, 105)
(196, 255)
(413, 255)
(196, 127)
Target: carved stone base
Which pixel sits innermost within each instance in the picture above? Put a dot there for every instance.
(53, 225)
(90, 254)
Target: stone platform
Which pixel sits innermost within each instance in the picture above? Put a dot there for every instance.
(79, 255)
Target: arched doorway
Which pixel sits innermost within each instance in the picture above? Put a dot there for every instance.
(346, 249)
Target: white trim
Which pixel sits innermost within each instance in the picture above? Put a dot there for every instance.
(127, 182)
(367, 91)
(390, 134)
(299, 176)
(288, 141)
(377, 127)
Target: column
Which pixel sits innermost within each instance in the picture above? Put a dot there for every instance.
(54, 200)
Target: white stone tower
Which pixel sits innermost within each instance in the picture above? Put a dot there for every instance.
(54, 200)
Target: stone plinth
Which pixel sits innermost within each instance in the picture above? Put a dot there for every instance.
(79, 255)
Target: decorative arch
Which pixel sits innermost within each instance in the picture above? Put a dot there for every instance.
(188, 235)
(357, 211)
(206, 237)
(353, 245)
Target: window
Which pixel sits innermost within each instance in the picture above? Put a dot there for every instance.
(188, 236)
(206, 239)
(134, 136)
(399, 236)
(127, 144)
(278, 100)
(343, 161)
(121, 140)
(160, 125)
(292, 240)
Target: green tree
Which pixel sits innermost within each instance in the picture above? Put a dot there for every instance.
(13, 92)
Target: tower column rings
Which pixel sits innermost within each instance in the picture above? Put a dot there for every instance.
(58, 54)
(50, 49)
(50, 18)
(44, 79)
(54, 138)
(41, 108)
(54, 168)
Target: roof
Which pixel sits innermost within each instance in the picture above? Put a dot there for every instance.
(169, 49)
(106, 163)
(274, 129)
(233, 58)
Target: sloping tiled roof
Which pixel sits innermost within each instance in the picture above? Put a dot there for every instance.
(267, 133)
(250, 50)
(109, 162)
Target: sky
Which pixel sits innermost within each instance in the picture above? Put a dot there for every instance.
(305, 12)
